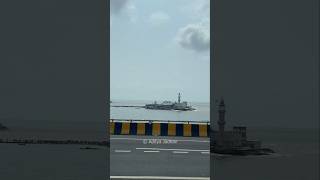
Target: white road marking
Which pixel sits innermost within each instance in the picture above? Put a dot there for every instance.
(159, 177)
(151, 151)
(180, 152)
(122, 151)
(161, 149)
(141, 139)
(204, 152)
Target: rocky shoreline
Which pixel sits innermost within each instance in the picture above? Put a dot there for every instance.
(2, 127)
(244, 152)
(38, 141)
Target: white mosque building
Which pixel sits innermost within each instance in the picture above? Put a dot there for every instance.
(232, 141)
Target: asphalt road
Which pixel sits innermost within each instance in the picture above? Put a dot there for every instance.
(147, 157)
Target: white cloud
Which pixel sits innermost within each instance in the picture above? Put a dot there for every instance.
(159, 18)
(116, 6)
(194, 37)
(197, 9)
(126, 8)
(132, 13)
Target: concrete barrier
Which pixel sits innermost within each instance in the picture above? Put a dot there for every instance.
(151, 128)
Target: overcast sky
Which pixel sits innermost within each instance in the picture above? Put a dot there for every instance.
(160, 48)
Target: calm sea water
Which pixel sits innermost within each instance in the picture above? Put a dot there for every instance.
(202, 112)
(296, 158)
(52, 162)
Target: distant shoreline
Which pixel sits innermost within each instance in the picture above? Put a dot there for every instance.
(144, 101)
(38, 141)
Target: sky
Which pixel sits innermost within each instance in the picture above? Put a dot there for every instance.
(51, 66)
(160, 48)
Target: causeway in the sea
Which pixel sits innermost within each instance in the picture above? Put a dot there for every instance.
(201, 113)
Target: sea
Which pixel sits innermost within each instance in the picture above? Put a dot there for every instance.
(296, 154)
(201, 114)
(296, 157)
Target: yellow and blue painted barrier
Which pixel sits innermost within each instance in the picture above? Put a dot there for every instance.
(153, 128)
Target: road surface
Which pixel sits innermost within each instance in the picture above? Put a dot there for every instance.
(147, 157)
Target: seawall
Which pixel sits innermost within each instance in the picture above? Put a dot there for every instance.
(159, 128)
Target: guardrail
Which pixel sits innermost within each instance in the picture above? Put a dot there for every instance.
(159, 128)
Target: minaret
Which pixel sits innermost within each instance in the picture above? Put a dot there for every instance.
(222, 111)
(179, 98)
